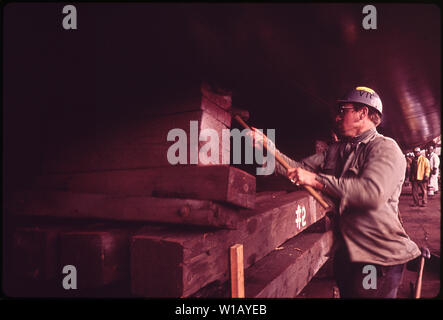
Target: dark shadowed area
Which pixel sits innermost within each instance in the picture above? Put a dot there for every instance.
(285, 63)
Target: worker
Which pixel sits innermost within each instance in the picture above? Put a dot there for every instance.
(409, 157)
(363, 172)
(434, 162)
(420, 171)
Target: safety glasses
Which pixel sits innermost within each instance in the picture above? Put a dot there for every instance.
(342, 110)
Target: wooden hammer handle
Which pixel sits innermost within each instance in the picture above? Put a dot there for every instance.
(419, 279)
(240, 120)
(311, 190)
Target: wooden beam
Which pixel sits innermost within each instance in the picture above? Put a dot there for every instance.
(217, 106)
(135, 144)
(197, 258)
(222, 100)
(284, 272)
(214, 182)
(35, 253)
(202, 98)
(123, 208)
(101, 257)
(155, 129)
(237, 271)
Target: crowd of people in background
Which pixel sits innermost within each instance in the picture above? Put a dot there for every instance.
(423, 173)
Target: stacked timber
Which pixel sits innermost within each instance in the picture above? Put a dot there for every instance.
(285, 271)
(195, 259)
(139, 139)
(132, 224)
(199, 195)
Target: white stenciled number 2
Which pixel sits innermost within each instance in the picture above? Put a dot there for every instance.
(300, 216)
(303, 217)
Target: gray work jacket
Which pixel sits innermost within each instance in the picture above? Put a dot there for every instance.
(367, 186)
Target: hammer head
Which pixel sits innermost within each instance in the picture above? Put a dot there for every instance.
(425, 253)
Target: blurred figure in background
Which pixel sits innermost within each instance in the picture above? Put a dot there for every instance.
(420, 171)
(434, 162)
(408, 157)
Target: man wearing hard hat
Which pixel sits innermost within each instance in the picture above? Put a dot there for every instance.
(434, 162)
(363, 173)
(420, 171)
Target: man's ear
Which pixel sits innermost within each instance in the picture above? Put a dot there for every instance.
(364, 112)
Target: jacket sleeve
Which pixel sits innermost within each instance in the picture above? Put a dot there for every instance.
(382, 173)
(436, 161)
(282, 170)
(427, 168)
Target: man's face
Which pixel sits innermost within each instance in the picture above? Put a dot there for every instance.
(417, 154)
(347, 120)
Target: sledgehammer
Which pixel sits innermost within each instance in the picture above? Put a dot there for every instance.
(238, 116)
(425, 254)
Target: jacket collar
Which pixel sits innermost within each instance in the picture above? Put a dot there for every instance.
(365, 137)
